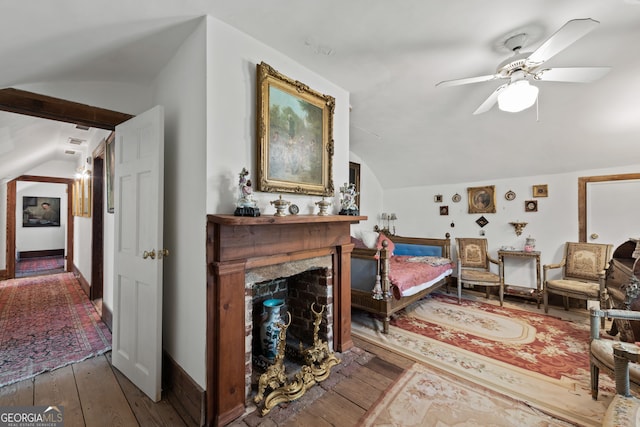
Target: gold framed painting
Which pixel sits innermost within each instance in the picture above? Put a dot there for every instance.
(110, 164)
(540, 190)
(482, 199)
(295, 136)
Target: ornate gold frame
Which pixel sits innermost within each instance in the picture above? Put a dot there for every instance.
(482, 199)
(293, 164)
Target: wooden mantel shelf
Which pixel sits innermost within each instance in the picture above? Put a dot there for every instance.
(289, 219)
(236, 244)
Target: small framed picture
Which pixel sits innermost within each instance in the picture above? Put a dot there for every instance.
(444, 210)
(437, 198)
(540, 190)
(531, 206)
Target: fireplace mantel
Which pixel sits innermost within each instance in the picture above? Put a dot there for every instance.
(236, 244)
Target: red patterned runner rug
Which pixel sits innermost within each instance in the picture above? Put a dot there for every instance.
(537, 359)
(46, 322)
(40, 266)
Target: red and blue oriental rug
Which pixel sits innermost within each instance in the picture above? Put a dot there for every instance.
(46, 322)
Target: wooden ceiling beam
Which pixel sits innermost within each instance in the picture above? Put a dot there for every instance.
(36, 105)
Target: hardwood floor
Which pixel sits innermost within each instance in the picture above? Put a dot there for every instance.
(95, 394)
(354, 386)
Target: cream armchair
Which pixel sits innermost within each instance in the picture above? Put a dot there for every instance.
(474, 266)
(601, 351)
(584, 266)
(624, 409)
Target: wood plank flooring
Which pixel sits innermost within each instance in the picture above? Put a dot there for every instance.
(95, 394)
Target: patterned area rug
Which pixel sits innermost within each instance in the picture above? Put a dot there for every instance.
(46, 322)
(537, 359)
(423, 397)
(39, 266)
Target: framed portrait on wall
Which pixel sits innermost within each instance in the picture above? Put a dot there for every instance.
(482, 199)
(40, 211)
(295, 136)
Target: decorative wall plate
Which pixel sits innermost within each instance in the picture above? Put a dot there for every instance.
(510, 195)
(456, 198)
(294, 209)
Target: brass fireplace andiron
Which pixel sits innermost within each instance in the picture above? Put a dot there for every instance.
(319, 361)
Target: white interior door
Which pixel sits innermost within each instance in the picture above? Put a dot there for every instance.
(138, 202)
(612, 211)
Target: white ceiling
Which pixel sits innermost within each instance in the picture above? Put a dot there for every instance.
(389, 56)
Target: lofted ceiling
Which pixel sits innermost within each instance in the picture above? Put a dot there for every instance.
(389, 56)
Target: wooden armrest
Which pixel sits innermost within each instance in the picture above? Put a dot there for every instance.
(493, 260)
(551, 266)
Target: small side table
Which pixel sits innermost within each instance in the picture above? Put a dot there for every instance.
(520, 290)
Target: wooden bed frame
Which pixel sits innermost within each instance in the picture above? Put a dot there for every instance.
(367, 272)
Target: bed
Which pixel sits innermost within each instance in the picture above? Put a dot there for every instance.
(396, 271)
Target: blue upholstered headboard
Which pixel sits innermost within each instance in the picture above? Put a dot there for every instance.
(417, 250)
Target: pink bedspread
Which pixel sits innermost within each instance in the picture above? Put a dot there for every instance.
(408, 271)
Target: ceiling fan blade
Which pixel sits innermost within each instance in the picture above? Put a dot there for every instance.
(560, 40)
(490, 101)
(572, 74)
(469, 80)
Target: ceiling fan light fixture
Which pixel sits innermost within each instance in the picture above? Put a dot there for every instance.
(517, 96)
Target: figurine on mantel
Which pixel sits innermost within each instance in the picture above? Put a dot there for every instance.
(348, 195)
(246, 205)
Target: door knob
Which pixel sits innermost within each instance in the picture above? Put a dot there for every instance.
(594, 236)
(163, 253)
(151, 254)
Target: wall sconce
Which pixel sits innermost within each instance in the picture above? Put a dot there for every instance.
(518, 226)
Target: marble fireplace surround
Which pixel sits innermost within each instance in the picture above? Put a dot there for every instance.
(238, 244)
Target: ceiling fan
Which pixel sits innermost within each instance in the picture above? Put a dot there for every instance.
(518, 94)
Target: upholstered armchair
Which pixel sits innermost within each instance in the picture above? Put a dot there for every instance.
(474, 266)
(584, 266)
(624, 409)
(601, 355)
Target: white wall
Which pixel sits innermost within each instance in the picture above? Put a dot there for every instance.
(231, 98)
(40, 238)
(371, 196)
(181, 89)
(555, 222)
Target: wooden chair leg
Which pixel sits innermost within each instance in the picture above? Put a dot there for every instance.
(595, 371)
(545, 301)
(565, 302)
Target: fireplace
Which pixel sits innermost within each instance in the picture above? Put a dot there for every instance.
(237, 245)
(300, 284)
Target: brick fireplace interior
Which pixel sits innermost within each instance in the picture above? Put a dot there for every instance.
(299, 284)
(237, 246)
